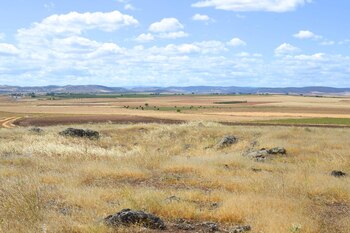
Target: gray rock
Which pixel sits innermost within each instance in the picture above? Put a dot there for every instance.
(72, 132)
(185, 225)
(338, 173)
(210, 226)
(263, 154)
(240, 229)
(128, 217)
(227, 141)
(277, 150)
(36, 130)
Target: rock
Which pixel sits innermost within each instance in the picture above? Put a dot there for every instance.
(72, 132)
(277, 150)
(338, 173)
(240, 229)
(263, 154)
(185, 225)
(210, 226)
(173, 199)
(36, 130)
(227, 141)
(128, 217)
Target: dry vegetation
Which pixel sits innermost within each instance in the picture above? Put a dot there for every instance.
(51, 183)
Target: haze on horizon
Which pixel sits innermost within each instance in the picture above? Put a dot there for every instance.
(259, 43)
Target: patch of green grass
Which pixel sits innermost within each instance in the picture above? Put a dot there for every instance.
(316, 121)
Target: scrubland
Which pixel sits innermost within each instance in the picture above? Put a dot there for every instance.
(51, 183)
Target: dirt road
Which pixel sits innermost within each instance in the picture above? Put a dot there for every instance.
(8, 122)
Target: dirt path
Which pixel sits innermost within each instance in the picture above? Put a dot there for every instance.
(8, 122)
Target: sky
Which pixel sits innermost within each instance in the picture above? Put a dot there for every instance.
(256, 43)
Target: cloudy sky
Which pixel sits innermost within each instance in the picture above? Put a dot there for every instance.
(175, 42)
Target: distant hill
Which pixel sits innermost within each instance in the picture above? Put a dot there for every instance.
(177, 90)
(62, 89)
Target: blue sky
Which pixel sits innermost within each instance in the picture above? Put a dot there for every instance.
(273, 43)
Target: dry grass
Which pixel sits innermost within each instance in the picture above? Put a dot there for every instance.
(49, 183)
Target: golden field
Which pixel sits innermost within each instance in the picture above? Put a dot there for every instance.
(167, 163)
(51, 183)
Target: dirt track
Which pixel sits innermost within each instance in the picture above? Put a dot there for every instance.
(8, 122)
(126, 119)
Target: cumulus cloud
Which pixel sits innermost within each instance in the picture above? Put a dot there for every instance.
(166, 25)
(145, 37)
(236, 42)
(199, 17)
(253, 5)
(306, 34)
(8, 49)
(167, 28)
(76, 23)
(286, 48)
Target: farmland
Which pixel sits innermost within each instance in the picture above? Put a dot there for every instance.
(151, 157)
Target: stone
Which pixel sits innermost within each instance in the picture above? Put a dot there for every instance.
(128, 217)
(227, 141)
(338, 173)
(277, 150)
(72, 132)
(36, 130)
(240, 229)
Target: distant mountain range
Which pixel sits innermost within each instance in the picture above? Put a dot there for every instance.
(315, 90)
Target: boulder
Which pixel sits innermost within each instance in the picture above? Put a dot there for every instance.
(36, 130)
(263, 154)
(128, 217)
(277, 150)
(240, 229)
(227, 141)
(338, 173)
(72, 132)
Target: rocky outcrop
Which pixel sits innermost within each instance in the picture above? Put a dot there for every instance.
(263, 154)
(81, 133)
(338, 173)
(227, 141)
(128, 217)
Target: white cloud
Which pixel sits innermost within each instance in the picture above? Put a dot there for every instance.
(327, 42)
(236, 42)
(253, 5)
(129, 7)
(76, 23)
(199, 17)
(172, 35)
(167, 28)
(286, 48)
(145, 37)
(8, 49)
(166, 25)
(316, 56)
(306, 34)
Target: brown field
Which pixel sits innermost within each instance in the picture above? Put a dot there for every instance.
(205, 108)
(167, 163)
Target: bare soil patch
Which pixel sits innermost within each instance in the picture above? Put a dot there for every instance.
(67, 120)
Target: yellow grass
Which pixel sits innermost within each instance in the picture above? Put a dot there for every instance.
(49, 183)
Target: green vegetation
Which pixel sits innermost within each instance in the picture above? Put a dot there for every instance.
(316, 121)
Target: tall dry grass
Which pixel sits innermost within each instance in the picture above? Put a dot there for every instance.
(50, 183)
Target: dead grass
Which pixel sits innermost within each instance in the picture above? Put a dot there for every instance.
(49, 183)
